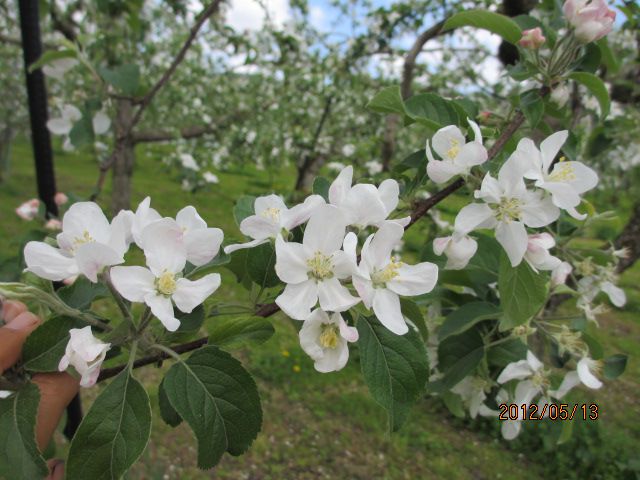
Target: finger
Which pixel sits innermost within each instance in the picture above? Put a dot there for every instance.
(11, 309)
(57, 389)
(13, 335)
(56, 469)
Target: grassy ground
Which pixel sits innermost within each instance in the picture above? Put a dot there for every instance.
(327, 426)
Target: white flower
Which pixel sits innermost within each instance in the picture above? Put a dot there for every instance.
(373, 167)
(144, 216)
(364, 204)
(458, 156)
(85, 353)
(162, 283)
(335, 166)
(584, 374)
(272, 217)
(590, 286)
(508, 207)
(63, 124)
(560, 95)
(187, 161)
(380, 278)
(560, 273)
(210, 177)
(88, 243)
(324, 338)
(313, 270)
(472, 391)
(458, 250)
(565, 182)
(537, 254)
(57, 68)
(101, 123)
(29, 209)
(348, 150)
(592, 19)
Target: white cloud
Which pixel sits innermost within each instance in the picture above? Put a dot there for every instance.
(250, 15)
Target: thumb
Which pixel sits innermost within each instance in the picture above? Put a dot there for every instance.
(13, 336)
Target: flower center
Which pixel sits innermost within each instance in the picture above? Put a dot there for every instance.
(596, 367)
(563, 172)
(85, 238)
(508, 209)
(320, 266)
(540, 380)
(379, 278)
(272, 213)
(166, 283)
(329, 336)
(454, 150)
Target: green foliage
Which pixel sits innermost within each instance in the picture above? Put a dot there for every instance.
(261, 262)
(190, 322)
(494, 22)
(432, 110)
(321, 187)
(614, 366)
(458, 356)
(81, 293)
(597, 88)
(46, 345)
(218, 399)
(243, 208)
(167, 412)
(19, 455)
(387, 100)
(114, 433)
(466, 317)
(532, 106)
(234, 332)
(51, 56)
(394, 367)
(125, 78)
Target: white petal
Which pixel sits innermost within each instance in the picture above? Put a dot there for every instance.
(440, 244)
(101, 123)
(389, 191)
(162, 308)
(490, 190)
(325, 230)
(563, 195)
(414, 279)
(550, 147)
(297, 300)
(586, 377)
(570, 380)
(291, 261)
(189, 219)
(164, 246)
(349, 246)
(71, 112)
(441, 171)
(538, 211)
(335, 297)
(341, 185)
(300, 213)
(121, 236)
(267, 202)
(365, 289)
(93, 257)
(386, 306)
(239, 246)
(350, 334)
(333, 359)
(259, 227)
(191, 293)
(510, 429)
(133, 283)
(343, 264)
(476, 131)
(471, 154)
(616, 294)
(144, 216)
(524, 394)
(363, 206)
(513, 238)
(445, 138)
(379, 249)
(515, 371)
(310, 333)
(86, 217)
(472, 216)
(585, 178)
(59, 126)
(459, 252)
(49, 262)
(533, 361)
(202, 245)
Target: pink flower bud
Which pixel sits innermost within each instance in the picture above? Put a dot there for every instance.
(53, 224)
(532, 38)
(29, 209)
(60, 198)
(484, 115)
(592, 20)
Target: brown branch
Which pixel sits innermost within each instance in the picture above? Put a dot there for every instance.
(412, 55)
(146, 100)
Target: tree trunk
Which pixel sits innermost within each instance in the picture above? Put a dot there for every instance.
(308, 170)
(630, 239)
(123, 159)
(389, 141)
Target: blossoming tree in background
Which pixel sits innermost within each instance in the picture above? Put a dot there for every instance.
(469, 321)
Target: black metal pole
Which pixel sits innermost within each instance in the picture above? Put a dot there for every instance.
(37, 94)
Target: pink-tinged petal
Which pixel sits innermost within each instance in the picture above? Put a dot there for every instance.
(335, 297)
(515, 371)
(239, 246)
(260, 227)
(473, 216)
(550, 147)
(584, 372)
(442, 171)
(162, 308)
(86, 217)
(445, 138)
(341, 185)
(189, 219)
(164, 246)
(389, 192)
(133, 283)
(325, 231)
(300, 213)
(268, 202)
(93, 257)
(121, 236)
(414, 279)
(48, 262)
(350, 334)
(291, 261)
(191, 293)
(513, 238)
(386, 306)
(202, 245)
(297, 300)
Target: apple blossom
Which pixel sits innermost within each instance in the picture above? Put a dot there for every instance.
(566, 181)
(29, 209)
(143, 216)
(161, 284)
(584, 374)
(272, 217)
(590, 286)
(101, 123)
(313, 269)
(87, 244)
(458, 250)
(458, 156)
(57, 68)
(187, 161)
(532, 38)
(473, 390)
(60, 199)
(381, 279)
(364, 204)
(53, 224)
(62, 125)
(508, 208)
(210, 177)
(592, 19)
(324, 338)
(373, 167)
(85, 353)
(560, 95)
(537, 254)
(560, 273)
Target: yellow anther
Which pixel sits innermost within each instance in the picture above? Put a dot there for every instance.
(166, 283)
(508, 209)
(320, 266)
(329, 336)
(563, 173)
(272, 213)
(388, 273)
(85, 238)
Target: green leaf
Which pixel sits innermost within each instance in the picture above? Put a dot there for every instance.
(219, 400)
(19, 455)
(565, 433)
(394, 367)
(523, 293)
(243, 208)
(467, 316)
(236, 332)
(114, 433)
(411, 310)
(261, 262)
(597, 89)
(125, 78)
(81, 293)
(321, 187)
(81, 133)
(458, 356)
(190, 322)
(494, 22)
(454, 403)
(51, 56)
(46, 345)
(432, 110)
(532, 106)
(167, 412)
(614, 366)
(507, 352)
(608, 57)
(387, 100)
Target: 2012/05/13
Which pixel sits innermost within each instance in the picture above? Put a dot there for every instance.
(553, 411)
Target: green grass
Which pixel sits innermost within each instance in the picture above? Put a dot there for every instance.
(328, 426)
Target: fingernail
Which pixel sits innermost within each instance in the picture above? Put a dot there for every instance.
(24, 321)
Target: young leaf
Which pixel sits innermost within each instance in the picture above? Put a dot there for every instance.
(532, 106)
(190, 322)
(125, 78)
(614, 366)
(243, 208)
(597, 88)
(394, 367)
(50, 56)
(467, 316)
(46, 345)
(235, 332)
(431, 110)
(387, 100)
(494, 22)
(321, 187)
(261, 262)
(113, 434)
(411, 310)
(218, 399)
(81, 293)
(523, 293)
(19, 455)
(167, 412)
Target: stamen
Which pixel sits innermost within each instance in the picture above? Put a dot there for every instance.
(166, 283)
(329, 336)
(320, 266)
